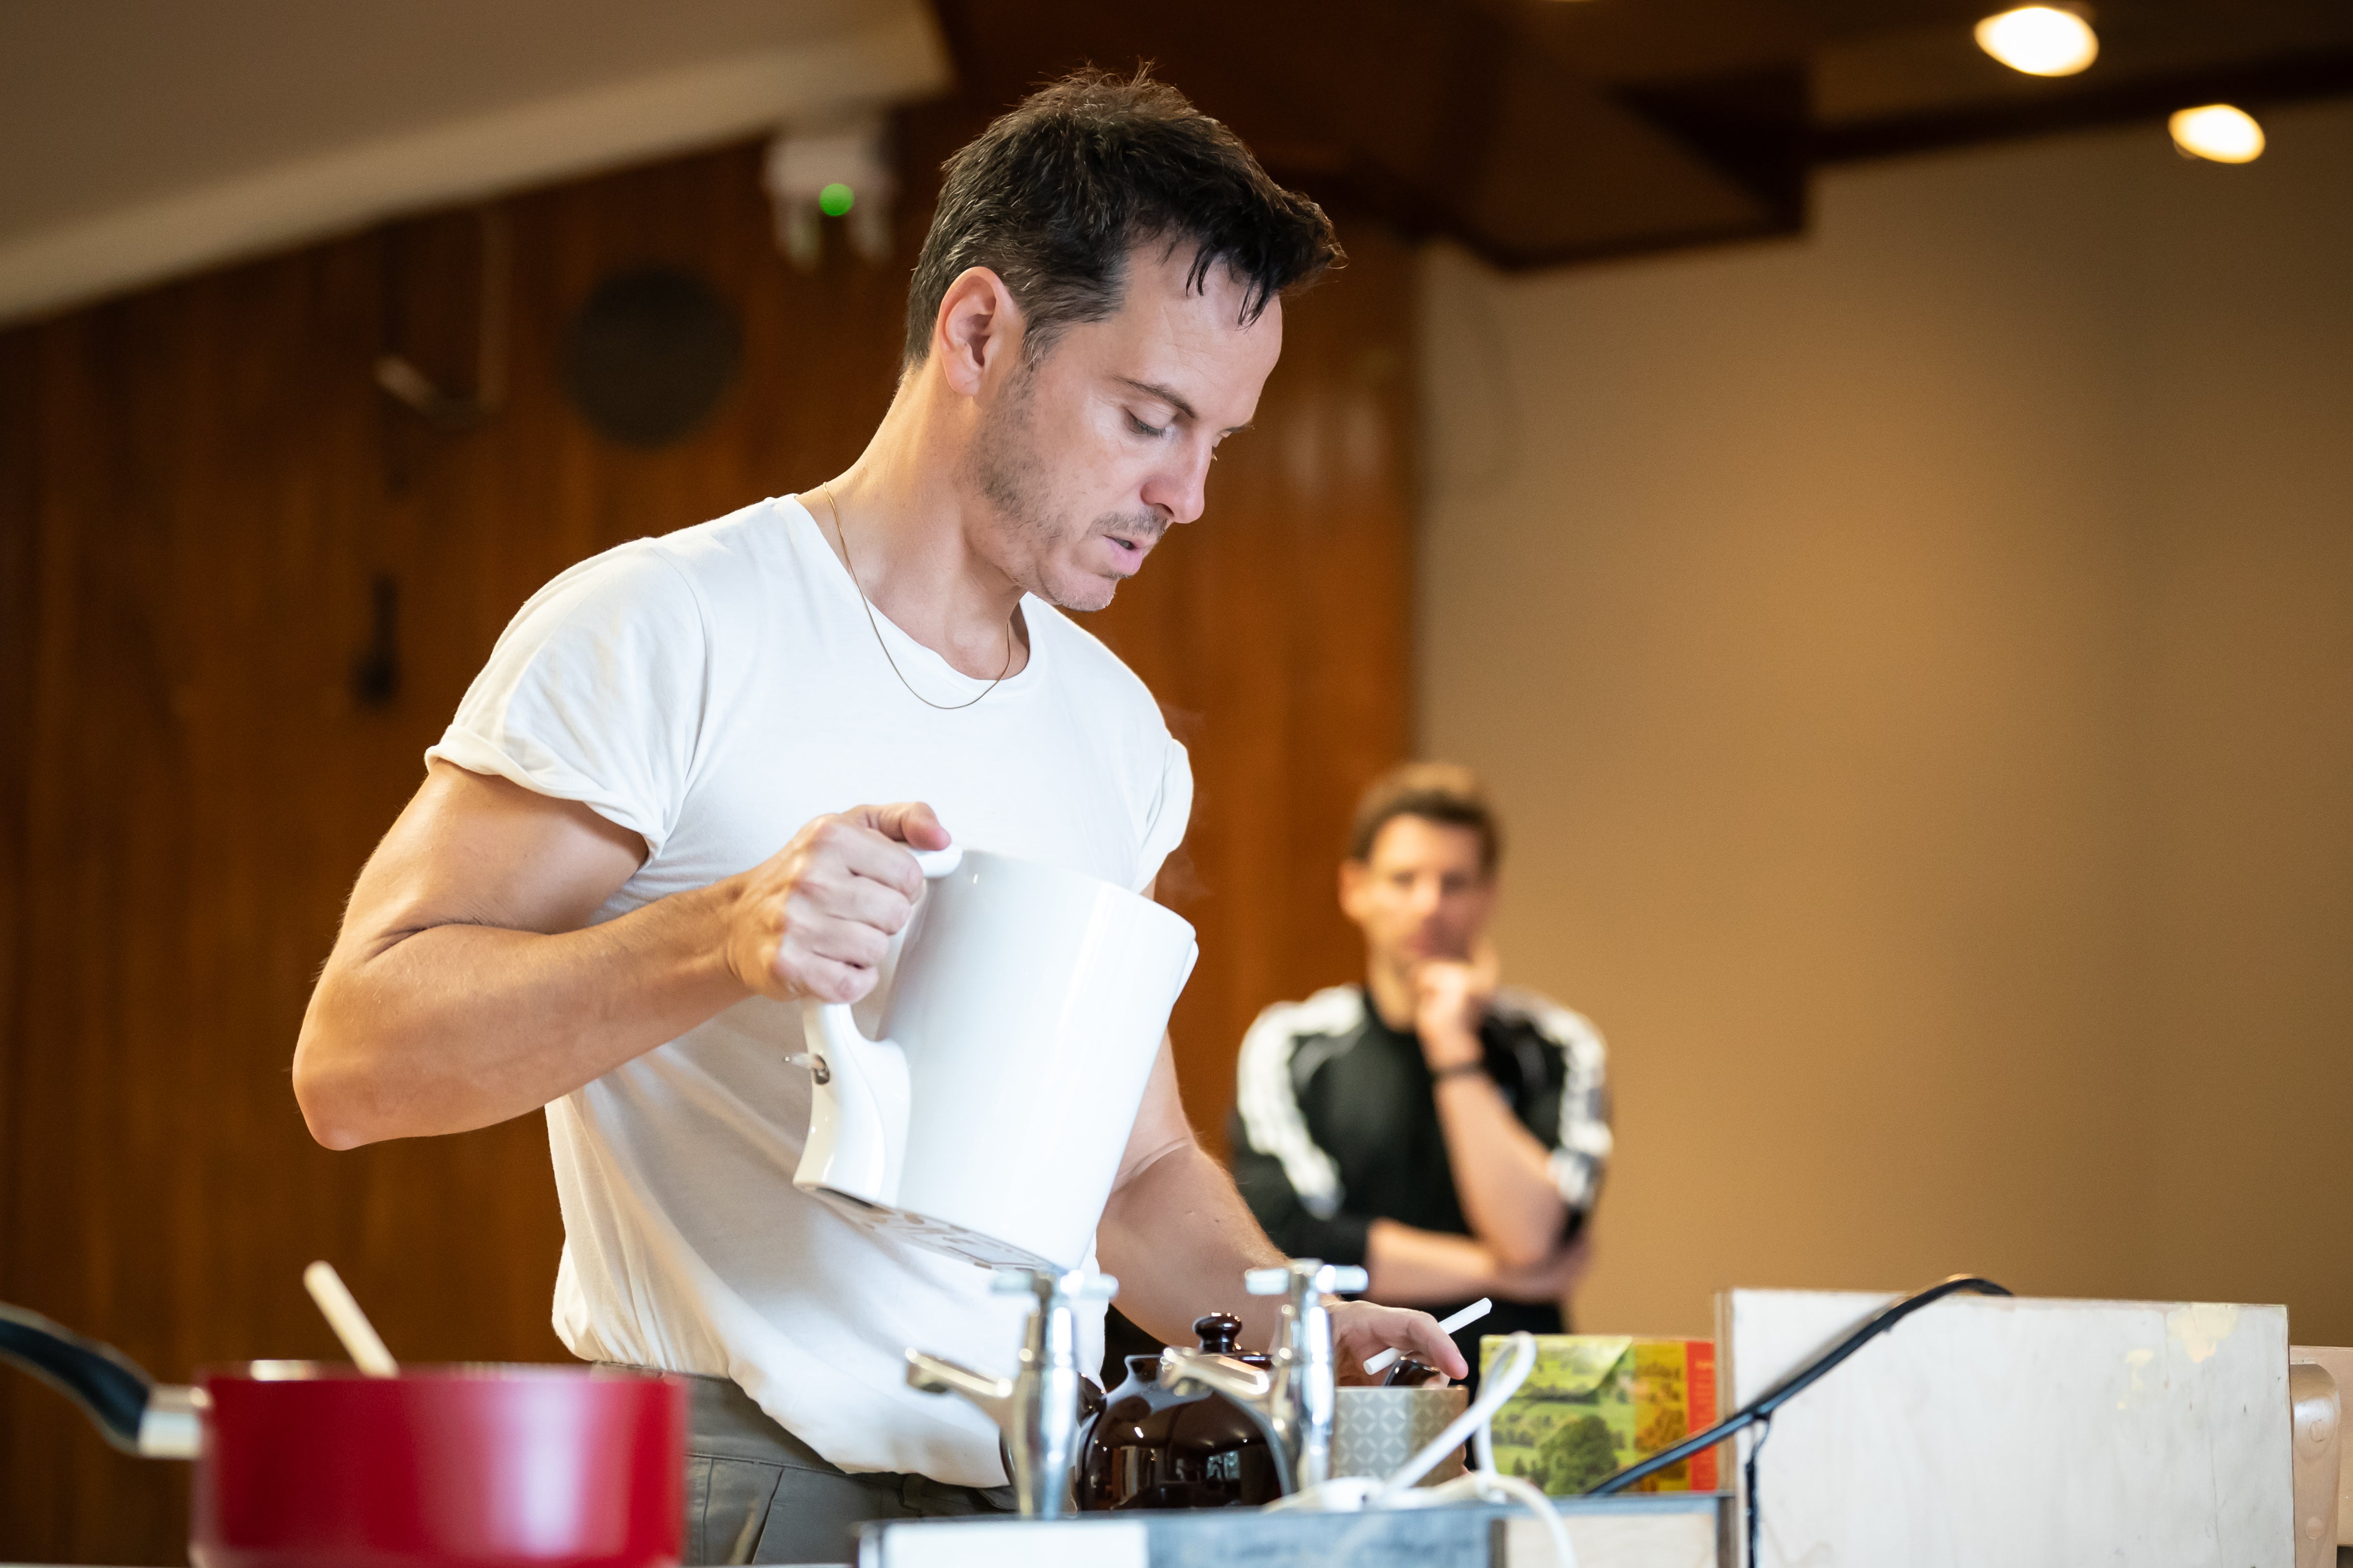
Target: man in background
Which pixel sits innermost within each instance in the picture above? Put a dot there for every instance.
(1448, 1134)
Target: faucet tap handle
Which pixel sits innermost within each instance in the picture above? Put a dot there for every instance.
(1050, 1285)
(1307, 1399)
(1305, 1277)
(1039, 1415)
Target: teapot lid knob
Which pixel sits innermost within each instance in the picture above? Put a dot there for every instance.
(1217, 1332)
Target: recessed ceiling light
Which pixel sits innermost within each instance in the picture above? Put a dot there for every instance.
(2219, 132)
(2040, 40)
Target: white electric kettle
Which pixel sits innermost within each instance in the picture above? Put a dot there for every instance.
(1020, 1012)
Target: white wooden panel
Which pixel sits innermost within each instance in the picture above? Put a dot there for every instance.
(1028, 1543)
(1617, 1540)
(2021, 1432)
(2338, 1359)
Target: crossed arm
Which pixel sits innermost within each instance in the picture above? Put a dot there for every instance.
(1502, 1174)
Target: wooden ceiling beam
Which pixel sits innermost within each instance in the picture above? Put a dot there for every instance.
(1538, 134)
(2252, 85)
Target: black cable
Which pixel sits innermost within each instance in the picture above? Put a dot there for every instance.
(1758, 1412)
(1748, 1468)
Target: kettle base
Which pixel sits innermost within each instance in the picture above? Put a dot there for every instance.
(932, 1234)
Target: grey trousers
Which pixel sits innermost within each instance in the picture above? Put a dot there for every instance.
(756, 1493)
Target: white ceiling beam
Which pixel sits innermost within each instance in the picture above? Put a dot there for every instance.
(466, 159)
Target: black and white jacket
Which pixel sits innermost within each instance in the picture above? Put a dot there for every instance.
(1335, 1121)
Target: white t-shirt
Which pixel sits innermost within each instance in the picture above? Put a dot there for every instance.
(714, 691)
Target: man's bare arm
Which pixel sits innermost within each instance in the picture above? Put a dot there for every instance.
(466, 986)
(1175, 1233)
(1178, 1236)
(1416, 1267)
(1427, 1267)
(1502, 1173)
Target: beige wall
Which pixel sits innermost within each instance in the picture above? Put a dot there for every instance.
(1917, 665)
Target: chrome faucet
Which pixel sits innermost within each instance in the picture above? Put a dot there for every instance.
(1293, 1402)
(1038, 1408)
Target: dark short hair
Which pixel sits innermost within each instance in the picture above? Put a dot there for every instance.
(1440, 792)
(1053, 195)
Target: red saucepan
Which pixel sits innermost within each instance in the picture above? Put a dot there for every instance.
(309, 1463)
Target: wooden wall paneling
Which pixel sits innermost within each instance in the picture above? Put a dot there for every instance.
(198, 473)
(99, 711)
(101, 719)
(18, 572)
(19, 569)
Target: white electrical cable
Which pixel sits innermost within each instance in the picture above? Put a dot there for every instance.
(1481, 1483)
(1482, 1447)
(1341, 1494)
(1500, 1385)
(1350, 1494)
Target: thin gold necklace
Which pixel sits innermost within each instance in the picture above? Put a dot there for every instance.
(826, 490)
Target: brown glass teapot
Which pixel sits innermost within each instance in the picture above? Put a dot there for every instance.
(1152, 1449)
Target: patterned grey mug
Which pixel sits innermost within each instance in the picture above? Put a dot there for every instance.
(1375, 1430)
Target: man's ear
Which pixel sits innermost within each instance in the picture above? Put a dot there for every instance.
(978, 326)
(1351, 876)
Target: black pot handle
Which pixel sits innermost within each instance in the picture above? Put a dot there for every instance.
(111, 1388)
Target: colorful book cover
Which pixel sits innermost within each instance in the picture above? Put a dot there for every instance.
(1598, 1403)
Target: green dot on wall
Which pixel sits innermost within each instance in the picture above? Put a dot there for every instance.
(835, 199)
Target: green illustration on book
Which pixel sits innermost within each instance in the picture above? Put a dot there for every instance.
(1596, 1403)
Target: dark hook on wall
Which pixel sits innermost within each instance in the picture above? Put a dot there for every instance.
(376, 673)
(401, 378)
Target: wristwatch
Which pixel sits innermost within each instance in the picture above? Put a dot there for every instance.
(1459, 1070)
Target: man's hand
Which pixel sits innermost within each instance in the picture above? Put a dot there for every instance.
(815, 919)
(1361, 1329)
(1451, 1000)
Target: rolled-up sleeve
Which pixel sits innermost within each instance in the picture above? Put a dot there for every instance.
(1172, 811)
(595, 693)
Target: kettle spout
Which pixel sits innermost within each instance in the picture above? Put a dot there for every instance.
(857, 1109)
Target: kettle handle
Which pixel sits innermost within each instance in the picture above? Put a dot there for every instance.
(937, 863)
(857, 1107)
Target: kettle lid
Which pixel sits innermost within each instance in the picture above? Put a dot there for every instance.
(1218, 1331)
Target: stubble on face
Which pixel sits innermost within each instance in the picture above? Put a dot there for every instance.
(1003, 458)
(1010, 472)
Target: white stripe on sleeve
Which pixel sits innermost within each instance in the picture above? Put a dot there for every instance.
(1267, 1098)
(1580, 1157)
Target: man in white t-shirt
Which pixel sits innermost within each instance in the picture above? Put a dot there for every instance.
(640, 844)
